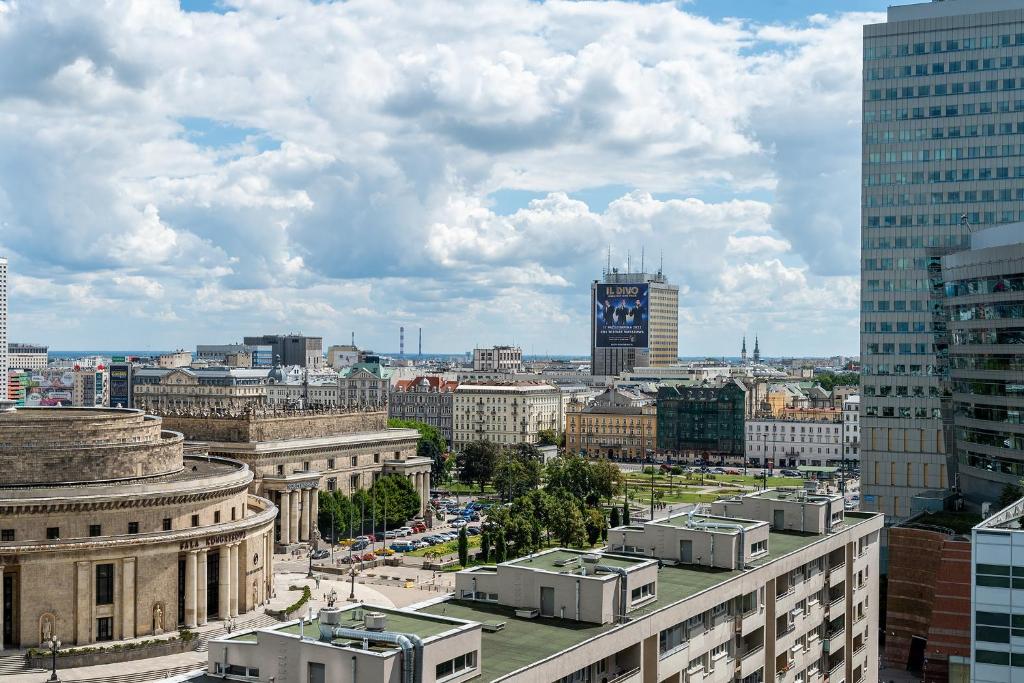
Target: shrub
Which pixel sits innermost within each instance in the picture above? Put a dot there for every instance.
(298, 604)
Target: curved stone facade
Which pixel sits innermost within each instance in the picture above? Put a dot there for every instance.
(71, 445)
(92, 552)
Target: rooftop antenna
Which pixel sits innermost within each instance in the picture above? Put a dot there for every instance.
(661, 263)
(608, 269)
(353, 338)
(642, 259)
(628, 262)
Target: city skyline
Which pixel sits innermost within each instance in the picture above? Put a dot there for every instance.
(149, 210)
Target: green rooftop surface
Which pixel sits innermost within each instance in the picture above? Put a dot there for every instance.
(523, 641)
(683, 519)
(553, 561)
(790, 494)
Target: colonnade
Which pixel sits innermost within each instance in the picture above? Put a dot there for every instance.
(298, 513)
(228, 584)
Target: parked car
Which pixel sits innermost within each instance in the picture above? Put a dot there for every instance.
(732, 472)
(473, 530)
(789, 473)
(459, 523)
(419, 527)
(420, 544)
(321, 554)
(408, 531)
(359, 545)
(390, 534)
(402, 547)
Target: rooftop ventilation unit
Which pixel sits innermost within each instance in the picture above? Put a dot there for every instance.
(375, 621)
(591, 558)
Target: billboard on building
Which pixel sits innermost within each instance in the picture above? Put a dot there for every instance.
(621, 316)
(121, 385)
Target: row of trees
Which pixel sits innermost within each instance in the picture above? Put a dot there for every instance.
(567, 508)
(389, 503)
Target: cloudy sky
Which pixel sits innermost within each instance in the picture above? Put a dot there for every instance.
(181, 173)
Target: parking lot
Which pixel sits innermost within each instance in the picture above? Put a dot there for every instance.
(407, 538)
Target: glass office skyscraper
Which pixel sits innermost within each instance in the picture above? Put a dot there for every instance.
(943, 153)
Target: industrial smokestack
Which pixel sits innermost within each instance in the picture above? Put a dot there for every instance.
(401, 341)
(419, 349)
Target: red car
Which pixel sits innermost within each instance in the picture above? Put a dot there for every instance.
(419, 527)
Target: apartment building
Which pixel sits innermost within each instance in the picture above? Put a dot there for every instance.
(26, 356)
(619, 423)
(503, 359)
(505, 413)
(428, 399)
(713, 597)
(792, 443)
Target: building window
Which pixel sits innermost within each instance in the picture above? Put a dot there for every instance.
(195, 520)
(133, 527)
(332, 484)
(232, 513)
(53, 532)
(95, 530)
(7, 535)
(643, 592)
(330, 463)
(280, 470)
(376, 458)
(105, 628)
(355, 461)
(455, 667)
(216, 516)
(104, 584)
(167, 524)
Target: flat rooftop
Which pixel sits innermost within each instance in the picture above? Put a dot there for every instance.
(683, 520)
(523, 642)
(423, 625)
(792, 494)
(564, 561)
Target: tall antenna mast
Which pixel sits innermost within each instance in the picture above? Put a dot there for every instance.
(608, 269)
(642, 248)
(629, 262)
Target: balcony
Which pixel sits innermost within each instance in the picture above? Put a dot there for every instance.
(628, 676)
(837, 573)
(751, 659)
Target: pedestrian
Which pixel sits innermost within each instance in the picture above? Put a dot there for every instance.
(317, 579)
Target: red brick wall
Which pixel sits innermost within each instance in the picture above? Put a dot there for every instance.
(929, 595)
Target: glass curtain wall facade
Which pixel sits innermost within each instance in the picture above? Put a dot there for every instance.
(943, 152)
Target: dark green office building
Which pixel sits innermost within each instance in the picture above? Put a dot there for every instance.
(705, 418)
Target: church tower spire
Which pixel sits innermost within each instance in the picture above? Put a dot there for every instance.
(757, 350)
(743, 351)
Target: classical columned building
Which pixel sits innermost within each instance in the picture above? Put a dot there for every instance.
(295, 454)
(110, 531)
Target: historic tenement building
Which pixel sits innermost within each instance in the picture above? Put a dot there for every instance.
(428, 399)
(109, 530)
(296, 454)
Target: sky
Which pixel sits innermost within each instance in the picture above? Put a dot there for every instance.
(180, 173)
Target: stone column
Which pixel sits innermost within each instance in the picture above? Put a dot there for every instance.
(304, 515)
(314, 511)
(235, 581)
(1, 611)
(84, 601)
(224, 583)
(128, 601)
(191, 587)
(202, 578)
(293, 532)
(284, 513)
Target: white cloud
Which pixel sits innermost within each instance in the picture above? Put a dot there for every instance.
(343, 178)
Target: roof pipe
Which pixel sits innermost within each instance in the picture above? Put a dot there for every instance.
(622, 588)
(402, 640)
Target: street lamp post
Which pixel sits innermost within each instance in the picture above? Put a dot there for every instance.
(54, 645)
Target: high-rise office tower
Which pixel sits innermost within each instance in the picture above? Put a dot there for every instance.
(943, 153)
(4, 364)
(634, 322)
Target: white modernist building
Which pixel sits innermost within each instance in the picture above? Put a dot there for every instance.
(997, 613)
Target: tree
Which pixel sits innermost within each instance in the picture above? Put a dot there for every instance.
(485, 546)
(572, 474)
(499, 547)
(516, 473)
(607, 479)
(1011, 494)
(625, 512)
(596, 525)
(476, 463)
(463, 547)
(547, 437)
(431, 445)
(830, 380)
(395, 496)
(615, 517)
(565, 519)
